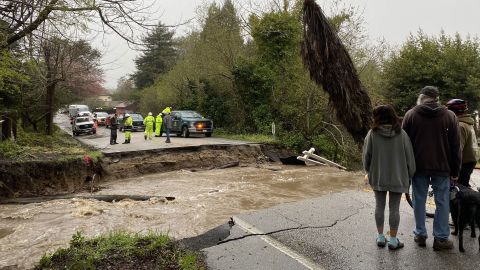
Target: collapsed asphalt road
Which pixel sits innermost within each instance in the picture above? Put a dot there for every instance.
(331, 232)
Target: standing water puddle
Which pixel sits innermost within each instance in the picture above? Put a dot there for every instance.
(204, 200)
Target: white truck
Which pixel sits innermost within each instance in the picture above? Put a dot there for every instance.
(73, 110)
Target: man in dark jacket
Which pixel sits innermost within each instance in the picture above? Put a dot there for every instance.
(113, 129)
(434, 132)
(167, 122)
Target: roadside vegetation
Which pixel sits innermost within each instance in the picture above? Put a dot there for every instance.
(36, 146)
(121, 250)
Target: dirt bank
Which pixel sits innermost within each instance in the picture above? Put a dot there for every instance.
(34, 178)
(37, 178)
(131, 164)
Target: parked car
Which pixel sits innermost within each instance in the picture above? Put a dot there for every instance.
(137, 122)
(101, 117)
(185, 123)
(83, 125)
(81, 114)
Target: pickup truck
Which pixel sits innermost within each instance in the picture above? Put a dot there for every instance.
(185, 123)
(83, 125)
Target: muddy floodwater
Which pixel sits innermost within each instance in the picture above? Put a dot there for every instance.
(204, 200)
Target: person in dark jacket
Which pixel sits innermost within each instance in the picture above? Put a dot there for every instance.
(113, 129)
(389, 160)
(434, 132)
(468, 140)
(167, 122)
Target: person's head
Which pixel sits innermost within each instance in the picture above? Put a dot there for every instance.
(458, 106)
(428, 94)
(150, 114)
(386, 115)
(127, 115)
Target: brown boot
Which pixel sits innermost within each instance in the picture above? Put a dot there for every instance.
(442, 244)
(420, 240)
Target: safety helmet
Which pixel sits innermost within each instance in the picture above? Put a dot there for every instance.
(457, 105)
(150, 113)
(127, 115)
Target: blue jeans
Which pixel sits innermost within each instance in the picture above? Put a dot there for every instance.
(441, 193)
(167, 130)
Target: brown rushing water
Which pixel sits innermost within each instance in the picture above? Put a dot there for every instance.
(204, 200)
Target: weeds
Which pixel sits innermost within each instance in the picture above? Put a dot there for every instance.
(122, 250)
(37, 146)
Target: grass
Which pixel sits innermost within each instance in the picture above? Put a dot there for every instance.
(257, 138)
(37, 146)
(121, 250)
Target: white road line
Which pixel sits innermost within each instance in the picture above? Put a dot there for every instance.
(249, 228)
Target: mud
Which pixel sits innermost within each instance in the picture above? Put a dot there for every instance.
(204, 200)
(36, 178)
(130, 164)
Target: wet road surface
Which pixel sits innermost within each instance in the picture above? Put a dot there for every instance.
(101, 140)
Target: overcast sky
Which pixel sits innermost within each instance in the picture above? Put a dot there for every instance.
(392, 20)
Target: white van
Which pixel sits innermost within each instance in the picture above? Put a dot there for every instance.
(73, 110)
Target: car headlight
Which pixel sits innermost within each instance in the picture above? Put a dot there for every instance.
(192, 124)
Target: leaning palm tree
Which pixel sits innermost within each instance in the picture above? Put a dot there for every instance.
(330, 66)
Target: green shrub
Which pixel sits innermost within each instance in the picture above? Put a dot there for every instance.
(122, 250)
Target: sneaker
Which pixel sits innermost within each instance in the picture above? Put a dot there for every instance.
(381, 240)
(420, 240)
(145, 137)
(442, 244)
(394, 244)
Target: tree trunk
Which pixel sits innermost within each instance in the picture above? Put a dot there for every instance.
(49, 112)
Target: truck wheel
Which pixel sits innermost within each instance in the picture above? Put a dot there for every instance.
(185, 132)
(209, 134)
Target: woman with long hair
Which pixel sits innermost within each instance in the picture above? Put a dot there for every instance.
(389, 161)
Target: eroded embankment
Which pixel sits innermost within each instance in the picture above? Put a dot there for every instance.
(130, 164)
(35, 178)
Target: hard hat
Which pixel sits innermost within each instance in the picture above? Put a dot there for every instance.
(150, 113)
(127, 115)
(457, 105)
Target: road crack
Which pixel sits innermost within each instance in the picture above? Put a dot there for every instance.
(300, 227)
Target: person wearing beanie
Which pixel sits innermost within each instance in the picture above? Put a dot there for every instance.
(468, 140)
(434, 133)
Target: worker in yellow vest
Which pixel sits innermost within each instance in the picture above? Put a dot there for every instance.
(158, 125)
(167, 110)
(148, 122)
(127, 127)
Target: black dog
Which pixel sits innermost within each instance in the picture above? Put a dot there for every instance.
(465, 209)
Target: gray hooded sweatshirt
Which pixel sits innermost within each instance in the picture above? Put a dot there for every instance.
(389, 160)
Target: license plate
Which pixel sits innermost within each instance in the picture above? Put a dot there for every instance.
(205, 130)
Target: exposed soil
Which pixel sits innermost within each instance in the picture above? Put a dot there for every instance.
(52, 177)
(35, 178)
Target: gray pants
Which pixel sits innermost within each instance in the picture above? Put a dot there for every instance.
(394, 208)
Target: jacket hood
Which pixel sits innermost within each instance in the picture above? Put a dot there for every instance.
(431, 110)
(386, 131)
(466, 119)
